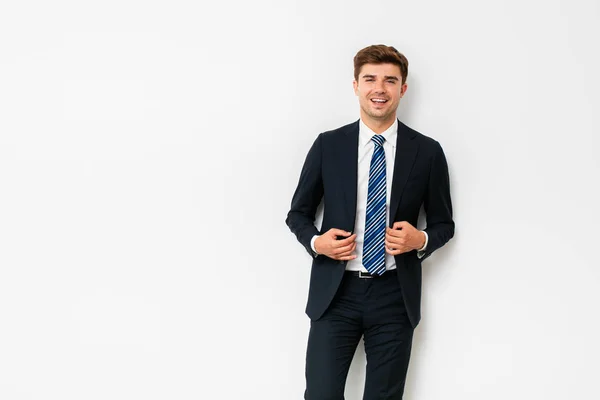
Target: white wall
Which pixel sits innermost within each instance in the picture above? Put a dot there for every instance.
(148, 156)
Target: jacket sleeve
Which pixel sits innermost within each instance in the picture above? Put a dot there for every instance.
(307, 197)
(437, 204)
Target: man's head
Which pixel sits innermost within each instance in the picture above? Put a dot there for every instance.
(380, 74)
(380, 54)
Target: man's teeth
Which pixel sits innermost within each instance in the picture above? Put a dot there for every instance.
(378, 100)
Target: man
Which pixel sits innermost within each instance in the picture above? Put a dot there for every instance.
(373, 175)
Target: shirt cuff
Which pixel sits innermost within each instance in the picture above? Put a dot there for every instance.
(312, 243)
(421, 251)
(426, 241)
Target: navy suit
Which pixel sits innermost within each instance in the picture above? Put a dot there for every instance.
(329, 173)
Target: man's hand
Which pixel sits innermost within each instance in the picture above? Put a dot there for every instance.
(402, 238)
(328, 244)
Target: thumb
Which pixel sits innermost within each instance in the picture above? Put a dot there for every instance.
(399, 225)
(338, 232)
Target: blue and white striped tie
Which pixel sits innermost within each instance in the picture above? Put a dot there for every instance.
(374, 244)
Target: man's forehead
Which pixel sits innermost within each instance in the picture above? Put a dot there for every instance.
(380, 69)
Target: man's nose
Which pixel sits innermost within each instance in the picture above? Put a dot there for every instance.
(379, 87)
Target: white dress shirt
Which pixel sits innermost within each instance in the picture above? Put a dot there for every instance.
(365, 152)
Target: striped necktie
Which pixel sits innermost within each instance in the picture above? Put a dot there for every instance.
(374, 244)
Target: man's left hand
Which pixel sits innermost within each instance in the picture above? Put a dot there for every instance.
(402, 238)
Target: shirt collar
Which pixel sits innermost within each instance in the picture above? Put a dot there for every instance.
(365, 133)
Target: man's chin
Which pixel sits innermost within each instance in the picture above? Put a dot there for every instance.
(379, 115)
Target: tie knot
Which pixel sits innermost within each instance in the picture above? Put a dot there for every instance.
(378, 139)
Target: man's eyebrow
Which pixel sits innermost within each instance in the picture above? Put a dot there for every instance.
(386, 77)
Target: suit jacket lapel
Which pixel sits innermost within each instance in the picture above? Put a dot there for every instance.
(349, 165)
(406, 154)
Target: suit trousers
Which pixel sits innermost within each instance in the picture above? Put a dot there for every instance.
(372, 307)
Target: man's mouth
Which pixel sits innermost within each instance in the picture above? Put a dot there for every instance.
(379, 101)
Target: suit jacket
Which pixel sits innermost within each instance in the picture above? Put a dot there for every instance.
(330, 174)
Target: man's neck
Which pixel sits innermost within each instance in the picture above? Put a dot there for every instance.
(377, 126)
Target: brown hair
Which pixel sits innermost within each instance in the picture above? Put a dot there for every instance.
(380, 54)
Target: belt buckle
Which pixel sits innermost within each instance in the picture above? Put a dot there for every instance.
(360, 275)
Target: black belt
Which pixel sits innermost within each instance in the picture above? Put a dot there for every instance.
(366, 275)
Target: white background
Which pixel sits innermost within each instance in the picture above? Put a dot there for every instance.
(149, 152)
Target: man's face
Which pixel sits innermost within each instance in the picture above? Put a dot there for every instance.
(379, 89)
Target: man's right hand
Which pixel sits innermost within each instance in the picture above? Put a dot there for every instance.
(329, 245)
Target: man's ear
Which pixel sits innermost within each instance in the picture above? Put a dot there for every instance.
(355, 86)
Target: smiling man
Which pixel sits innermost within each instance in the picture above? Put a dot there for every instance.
(373, 175)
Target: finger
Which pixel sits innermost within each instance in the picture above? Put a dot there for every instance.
(392, 252)
(396, 246)
(392, 241)
(350, 247)
(350, 250)
(346, 254)
(346, 258)
(404, 225)
(341, 250)
(396, 251)
(396, 232)
(345, 242)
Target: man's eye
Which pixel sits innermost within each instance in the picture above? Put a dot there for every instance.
(391, 81)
